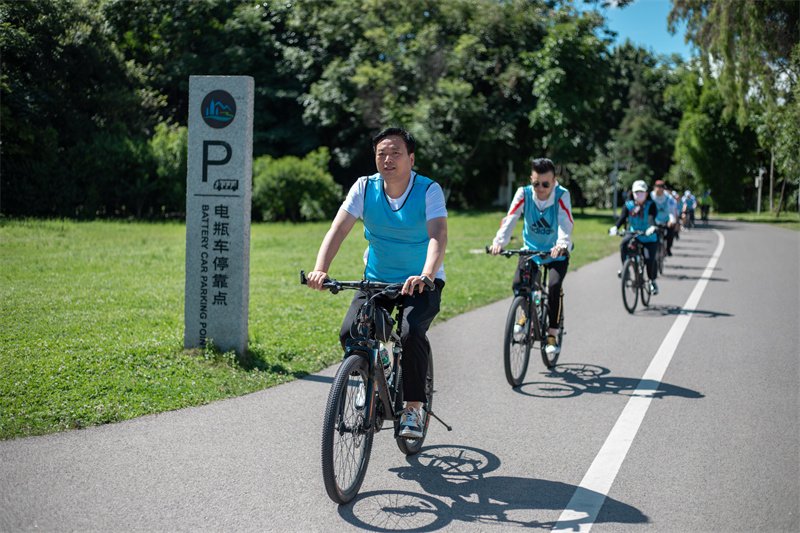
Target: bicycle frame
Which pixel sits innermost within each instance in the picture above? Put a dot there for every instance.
(387, 392)
(538, 280)
(368, 346)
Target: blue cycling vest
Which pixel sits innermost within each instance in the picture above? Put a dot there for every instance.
(662, 210)
(640, 222)
(398, 240)
(540, 232)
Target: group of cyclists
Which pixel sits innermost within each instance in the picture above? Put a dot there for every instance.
(405, 224)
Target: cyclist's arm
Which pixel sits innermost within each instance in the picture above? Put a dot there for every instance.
(509, 222)
(565, 225)
(340, 227)
(623, 217)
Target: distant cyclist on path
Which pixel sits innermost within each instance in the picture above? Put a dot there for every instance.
(640, 213)
(666, 208)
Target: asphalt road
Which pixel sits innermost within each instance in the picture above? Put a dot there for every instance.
(681, 417)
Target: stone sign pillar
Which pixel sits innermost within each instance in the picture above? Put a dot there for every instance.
(218, 184)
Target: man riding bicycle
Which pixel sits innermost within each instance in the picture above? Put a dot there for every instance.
(405, 223)
(547, 210)
(665, 211)
(640, 213)
(689, 205)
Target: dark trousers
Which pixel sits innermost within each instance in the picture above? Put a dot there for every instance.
(557, 273)
(419, 311)
(650, 254)
(670, 237)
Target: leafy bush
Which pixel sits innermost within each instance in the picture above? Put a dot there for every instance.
(294, 189)
(169, 149)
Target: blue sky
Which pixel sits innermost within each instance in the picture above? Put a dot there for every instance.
(645, 23)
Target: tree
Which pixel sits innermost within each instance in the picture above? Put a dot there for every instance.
(752, 47)
(644, 141)
(174, 40)
(65, 90)
(712, 151)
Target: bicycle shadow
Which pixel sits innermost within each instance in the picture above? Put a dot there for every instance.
(681, 277)
(458, 474)
(674, 310)
(574, 379)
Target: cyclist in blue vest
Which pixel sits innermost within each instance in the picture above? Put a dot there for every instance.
(547, 210)
(666, 208)
(640, 213)
(405, 224)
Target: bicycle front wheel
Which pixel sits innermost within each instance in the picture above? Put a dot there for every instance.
(412, 446)
(630, 285)
(517, 347)
(346, 444)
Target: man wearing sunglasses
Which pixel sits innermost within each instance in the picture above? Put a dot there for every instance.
(547, 210)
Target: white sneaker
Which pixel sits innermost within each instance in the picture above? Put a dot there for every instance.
(411, 424)
(552, 347)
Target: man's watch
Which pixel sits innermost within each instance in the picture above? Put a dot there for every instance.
(428, 282)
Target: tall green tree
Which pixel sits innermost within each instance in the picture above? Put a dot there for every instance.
(751, 47)
(644, 141)
(72, 110)
(174, 40)
(712, 151)
(479, 83)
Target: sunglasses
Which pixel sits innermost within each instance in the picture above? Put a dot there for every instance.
(543, 184)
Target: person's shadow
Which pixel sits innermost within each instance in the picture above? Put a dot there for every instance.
(457, 485)
(574, 379)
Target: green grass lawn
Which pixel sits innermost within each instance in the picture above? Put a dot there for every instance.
(788, 220)
(91, 313)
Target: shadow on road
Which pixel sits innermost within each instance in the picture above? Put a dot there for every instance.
(456, 487)
(673, 310)
(574, 379)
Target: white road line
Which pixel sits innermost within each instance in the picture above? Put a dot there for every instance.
(582, 509)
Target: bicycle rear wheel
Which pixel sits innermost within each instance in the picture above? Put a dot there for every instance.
(346, 445)
(645, 285)
(630, 285)
(412, 446)
(517, 345)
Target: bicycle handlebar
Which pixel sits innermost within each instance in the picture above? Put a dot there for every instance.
(623, 232)
(391, 289)
(509, 253)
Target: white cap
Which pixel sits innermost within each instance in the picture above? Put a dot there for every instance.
(639, 185)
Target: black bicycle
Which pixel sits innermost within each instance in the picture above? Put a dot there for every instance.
(527, 320)
(635, 281)
(365, 393)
